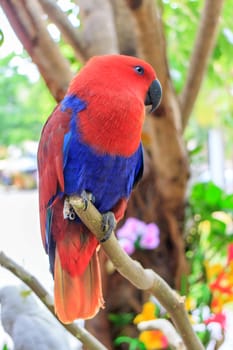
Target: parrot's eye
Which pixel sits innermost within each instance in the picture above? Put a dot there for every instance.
(139, 69)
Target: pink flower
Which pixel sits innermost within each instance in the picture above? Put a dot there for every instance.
(131, 229)
(150, 238)
(127, 245)
(135, 233)
(219, 318)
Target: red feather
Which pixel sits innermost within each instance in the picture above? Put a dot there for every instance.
(50, 161)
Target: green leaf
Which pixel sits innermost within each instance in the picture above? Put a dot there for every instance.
(217, 227)
(121, 319)
(227, 202)
(204, 337)
(1, 37)
(201, 293)
(212, 195)
(134, 343)
(206, 198)
(20, 117)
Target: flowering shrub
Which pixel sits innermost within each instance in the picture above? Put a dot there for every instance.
(210, 253)
(209, 286)
(136, 234)
(152, 339)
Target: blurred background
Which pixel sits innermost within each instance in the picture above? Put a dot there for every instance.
(186, 191)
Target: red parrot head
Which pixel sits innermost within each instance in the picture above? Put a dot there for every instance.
(117, 72)
(116, 89)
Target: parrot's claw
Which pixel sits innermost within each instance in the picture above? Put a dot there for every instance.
(87, 196)
(68, 211)
(108, 225)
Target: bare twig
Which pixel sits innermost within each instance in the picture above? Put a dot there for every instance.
(80, 333)
(26, 18)
(202, 50)
(141, 278)
(70, 33)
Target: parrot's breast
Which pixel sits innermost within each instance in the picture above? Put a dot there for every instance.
(109, 178)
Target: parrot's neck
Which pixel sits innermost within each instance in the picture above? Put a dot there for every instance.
(115, 131)
(108, 128)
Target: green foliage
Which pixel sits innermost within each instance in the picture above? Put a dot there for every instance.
(181, 19)
(214, 106)
(1, 37)
(121, 319)
(24, 106)
(134, 343)
(210, 230)
(5, 347)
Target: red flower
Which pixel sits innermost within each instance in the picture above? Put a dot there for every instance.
(220, 318)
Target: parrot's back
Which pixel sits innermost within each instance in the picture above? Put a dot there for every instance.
(91, 143)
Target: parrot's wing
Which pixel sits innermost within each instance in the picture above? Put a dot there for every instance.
(140, 167)
(50, 164)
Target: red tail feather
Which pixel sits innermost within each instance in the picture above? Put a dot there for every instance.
(77, 296)
(77, 279)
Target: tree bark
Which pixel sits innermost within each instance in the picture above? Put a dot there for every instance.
(125, 28)
(25, 17)
(169, 164)
(99, 34)
(71, 34)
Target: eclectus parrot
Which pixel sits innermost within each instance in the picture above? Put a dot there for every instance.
(91, 146)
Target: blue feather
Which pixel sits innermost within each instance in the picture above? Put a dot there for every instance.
(109, 178)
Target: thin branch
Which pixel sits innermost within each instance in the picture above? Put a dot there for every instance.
(70, 33)
(141, 278)
(26, 18)
(205, 40)
(80, 333)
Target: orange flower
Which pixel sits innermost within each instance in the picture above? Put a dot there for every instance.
(148, 313)
(190, 303)
(212, 270)
(216, 304)
(153, 340)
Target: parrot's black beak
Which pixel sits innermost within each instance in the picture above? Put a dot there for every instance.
(154, 94)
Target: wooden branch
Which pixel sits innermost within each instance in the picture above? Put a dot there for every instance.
(141, 278)
(205, 40)
(78, 332)
(70, 33)
(26, 18)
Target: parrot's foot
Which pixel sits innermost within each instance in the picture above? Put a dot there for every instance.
(87, 196)
(68, 211)
(108, 225)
